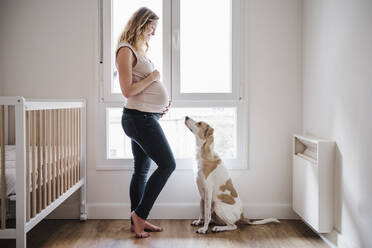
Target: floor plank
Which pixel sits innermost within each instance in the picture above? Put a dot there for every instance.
(177, 233)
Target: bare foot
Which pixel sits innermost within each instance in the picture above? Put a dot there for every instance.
(152, 227)
(139, 226)
(148, 227)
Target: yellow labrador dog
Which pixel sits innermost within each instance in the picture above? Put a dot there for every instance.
(220, 203)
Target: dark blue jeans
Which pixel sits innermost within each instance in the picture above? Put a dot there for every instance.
(148, 143)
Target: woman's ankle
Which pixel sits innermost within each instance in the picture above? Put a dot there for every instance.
(137, 219)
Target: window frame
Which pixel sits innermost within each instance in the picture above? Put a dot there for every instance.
(171, 77)
(236, 80)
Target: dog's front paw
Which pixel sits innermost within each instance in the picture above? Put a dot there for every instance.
(197, 222)
(217, 229)
(202, 230)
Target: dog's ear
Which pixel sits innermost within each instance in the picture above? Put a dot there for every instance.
(208, 131)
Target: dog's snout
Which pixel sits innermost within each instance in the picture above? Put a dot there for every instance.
(186, 118)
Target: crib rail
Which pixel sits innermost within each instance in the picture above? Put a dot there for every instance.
(52, 149)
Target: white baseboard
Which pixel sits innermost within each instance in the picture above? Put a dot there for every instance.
(329, 239)
(190, 211)
(337, 240)
(186, 211)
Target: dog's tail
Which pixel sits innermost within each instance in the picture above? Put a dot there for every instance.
(246, 221)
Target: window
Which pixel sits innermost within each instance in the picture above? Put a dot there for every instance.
(213, 37)
(197, 48)
(223, 119)
(121, 11)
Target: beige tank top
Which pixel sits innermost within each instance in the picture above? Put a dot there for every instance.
(152, 99)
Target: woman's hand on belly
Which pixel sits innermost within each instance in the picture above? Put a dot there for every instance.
(167, 108)
(155, 75)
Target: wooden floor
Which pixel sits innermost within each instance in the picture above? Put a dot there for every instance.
(177, 233)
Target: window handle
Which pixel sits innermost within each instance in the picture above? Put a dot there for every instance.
(100, 32)
(176, 39)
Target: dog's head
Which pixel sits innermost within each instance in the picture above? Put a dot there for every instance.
(202, 130)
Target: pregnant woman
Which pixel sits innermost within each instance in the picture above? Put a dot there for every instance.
(147, 102)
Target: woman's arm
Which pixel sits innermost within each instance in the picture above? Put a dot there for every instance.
(125, 60)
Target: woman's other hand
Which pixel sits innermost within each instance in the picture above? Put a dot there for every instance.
(167, 108)
(155, 75)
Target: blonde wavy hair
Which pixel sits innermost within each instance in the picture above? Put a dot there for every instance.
(133, 33)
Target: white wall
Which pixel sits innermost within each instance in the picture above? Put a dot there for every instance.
(337, 89)
(50, 50)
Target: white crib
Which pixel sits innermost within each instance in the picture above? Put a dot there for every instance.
(43, 160)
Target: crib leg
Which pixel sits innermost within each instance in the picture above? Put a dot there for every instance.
(21, 234)
(83, 207)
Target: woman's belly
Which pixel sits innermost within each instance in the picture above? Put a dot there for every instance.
(152, 99)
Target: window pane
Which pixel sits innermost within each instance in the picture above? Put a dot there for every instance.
(122, 11)
(181, 140)
(205, 46)
(118, 143)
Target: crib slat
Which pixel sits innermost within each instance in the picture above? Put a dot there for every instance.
(68, 150)
(71, 150)
(33, 199)
(60, 151)
(58, 147)
(53, 156)
(64, 150)
(38, 127)
(27, 165)
(48, 114)
(44, 176)
(76, 145)
(74, 151)
(79, 143)
(3, 182)
(73, 145)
